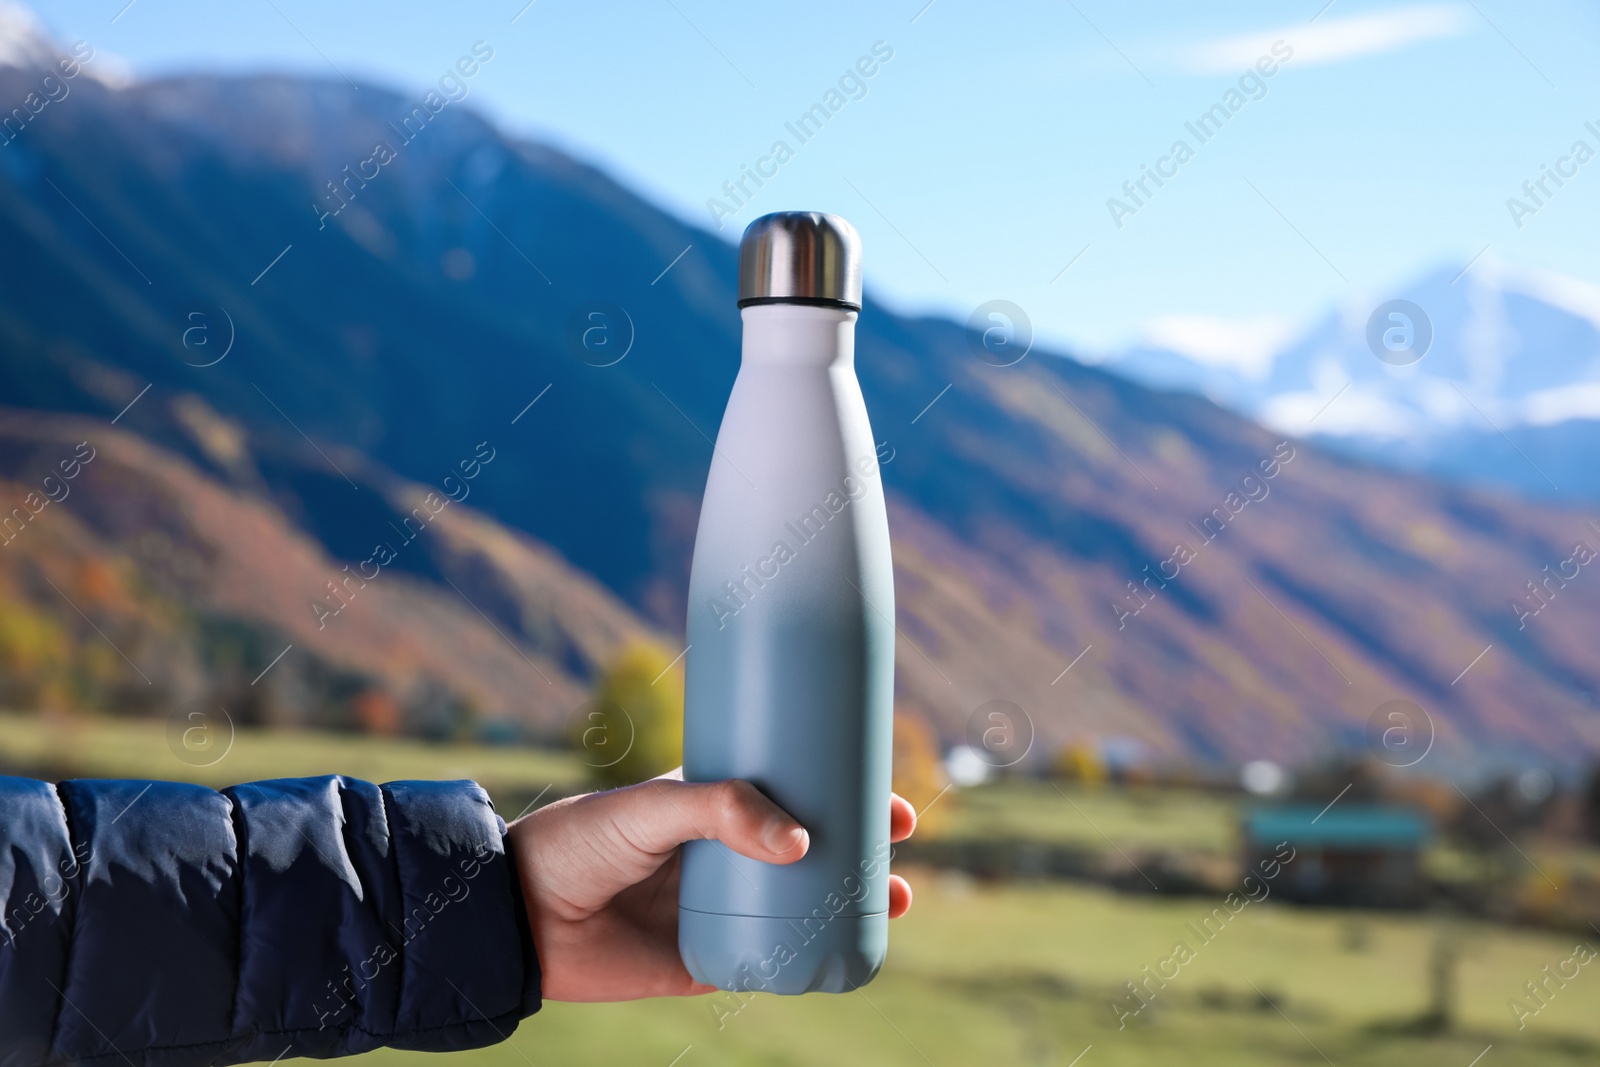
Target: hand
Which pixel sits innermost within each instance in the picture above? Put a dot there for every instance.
(600, 876)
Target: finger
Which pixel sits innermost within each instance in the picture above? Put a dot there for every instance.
(899, 896)
(902, 818)
(661, 814)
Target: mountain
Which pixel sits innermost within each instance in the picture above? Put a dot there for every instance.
(1127, 566)
(1506, 394)
(132, 581)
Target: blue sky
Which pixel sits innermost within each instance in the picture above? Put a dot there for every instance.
(980, 159)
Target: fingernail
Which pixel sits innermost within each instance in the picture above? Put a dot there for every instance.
(781, 835)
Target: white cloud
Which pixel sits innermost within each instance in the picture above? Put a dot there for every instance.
(1244, 345)
(1550, 406)
(1331, 40)
(23, 42)
(1357, 412)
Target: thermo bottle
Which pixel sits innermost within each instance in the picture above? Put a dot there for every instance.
(790, 663)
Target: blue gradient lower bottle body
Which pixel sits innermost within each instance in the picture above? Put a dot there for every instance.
(790, 668)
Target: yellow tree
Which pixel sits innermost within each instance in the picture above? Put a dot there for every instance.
(36, 657)
(1079, 762)
(633, 728)
(919, 772)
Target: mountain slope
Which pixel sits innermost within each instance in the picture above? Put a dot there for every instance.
(423, 319)
(162, 586)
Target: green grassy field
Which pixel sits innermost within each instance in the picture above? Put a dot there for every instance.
(1025, 975)
(1020, 974)
(138, 748)
(1141, 818)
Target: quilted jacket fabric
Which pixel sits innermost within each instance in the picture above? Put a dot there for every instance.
(170, 925)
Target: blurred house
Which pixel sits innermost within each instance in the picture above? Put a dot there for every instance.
(1351, 855)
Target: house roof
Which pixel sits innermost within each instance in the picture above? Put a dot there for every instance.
(1353, 825)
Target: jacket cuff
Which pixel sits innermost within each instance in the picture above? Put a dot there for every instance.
(532, 995)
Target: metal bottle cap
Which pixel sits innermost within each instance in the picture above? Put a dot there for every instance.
(800, 257)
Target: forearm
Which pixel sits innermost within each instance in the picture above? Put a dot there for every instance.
(311, 917)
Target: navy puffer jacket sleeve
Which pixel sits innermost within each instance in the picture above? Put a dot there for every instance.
(169, 925)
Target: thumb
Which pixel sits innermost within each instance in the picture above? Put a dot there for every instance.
(659, 815)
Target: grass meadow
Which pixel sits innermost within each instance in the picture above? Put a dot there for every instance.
(1021, 973)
